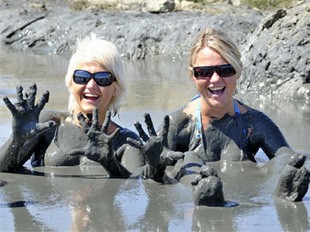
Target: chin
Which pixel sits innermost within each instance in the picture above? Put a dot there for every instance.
(88, 109)
(218, 104)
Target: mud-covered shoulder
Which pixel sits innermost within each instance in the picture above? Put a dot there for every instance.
(255, 117)
(122, 136)
(182, 117)
(55, 115)
(181, 126)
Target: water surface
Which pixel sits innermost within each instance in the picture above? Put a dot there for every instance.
(83, 199)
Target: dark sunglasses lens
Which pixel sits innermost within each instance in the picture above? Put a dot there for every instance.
(225, 71)
(104, 78)
(203, 72)
(81, 77)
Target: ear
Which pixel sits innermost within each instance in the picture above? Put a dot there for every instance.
(115, 92)
(69, 86)
(191, 74)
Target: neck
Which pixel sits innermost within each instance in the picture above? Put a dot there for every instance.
(88, 118)
(210, 112)
(111, 128)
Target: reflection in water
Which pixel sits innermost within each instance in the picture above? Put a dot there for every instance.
(77, 199)
(293, 216)
(83, 199)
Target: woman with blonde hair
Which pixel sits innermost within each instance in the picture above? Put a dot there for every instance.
(85, 133)
(215, 126)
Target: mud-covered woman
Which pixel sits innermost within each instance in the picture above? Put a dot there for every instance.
(216, 126)
(86, 134)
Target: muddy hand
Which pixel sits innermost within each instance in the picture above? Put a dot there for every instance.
(157, 155)
(99, 146)
(85, 122)
(294, 181)
(208, 189)
(26, 114)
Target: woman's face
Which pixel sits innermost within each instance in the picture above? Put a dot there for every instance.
(91, 95)
(217, 91)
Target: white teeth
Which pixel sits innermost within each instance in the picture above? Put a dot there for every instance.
(216, 88)
(90, 95)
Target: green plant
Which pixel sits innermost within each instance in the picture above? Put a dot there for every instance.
(267, 4)
(79, 5)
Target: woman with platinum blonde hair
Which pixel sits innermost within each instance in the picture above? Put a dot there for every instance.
(85, 135)
(92, 50)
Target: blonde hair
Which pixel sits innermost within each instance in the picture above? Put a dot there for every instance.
(93, 50)
(219, 42)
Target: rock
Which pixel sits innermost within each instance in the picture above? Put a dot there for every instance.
(3, 183)
(235, 2)
(138, 35)
(184, 5)
(276, 55)
(159, 6)
(130, 5)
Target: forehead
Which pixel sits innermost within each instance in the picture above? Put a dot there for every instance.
(208, 57)
(91, 67)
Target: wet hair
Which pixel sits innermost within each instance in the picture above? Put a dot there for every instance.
(94, 50)
(220, 42)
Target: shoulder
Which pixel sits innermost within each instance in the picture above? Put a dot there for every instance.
(249, 111)
(122, 136)
(184, 114)
(127, 133)
(47, 115)
(256, 117)
(182, 120)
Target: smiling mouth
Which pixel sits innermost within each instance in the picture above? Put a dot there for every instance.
(91, 97)
(217, 90)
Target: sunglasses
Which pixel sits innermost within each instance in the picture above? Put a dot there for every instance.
(82, 77)
(204, 72)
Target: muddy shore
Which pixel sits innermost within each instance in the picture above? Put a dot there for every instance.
(274, 44)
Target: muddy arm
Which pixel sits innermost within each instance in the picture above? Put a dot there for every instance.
(25, 128)
(267, 136)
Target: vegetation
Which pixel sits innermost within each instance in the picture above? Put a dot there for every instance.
(80, 5)
(260, 4)
(199, 4)
(267, 4)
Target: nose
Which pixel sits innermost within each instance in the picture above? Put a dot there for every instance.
(91, 83)
(215, 77)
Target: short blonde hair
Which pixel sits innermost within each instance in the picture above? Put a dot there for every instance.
(93, 50)
(219, 42)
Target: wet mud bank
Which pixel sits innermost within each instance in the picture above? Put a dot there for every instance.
(274, 44)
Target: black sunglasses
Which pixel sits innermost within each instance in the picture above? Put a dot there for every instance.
(82, 77)
(204, 72)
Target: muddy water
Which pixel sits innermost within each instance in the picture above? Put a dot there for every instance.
(83, 199)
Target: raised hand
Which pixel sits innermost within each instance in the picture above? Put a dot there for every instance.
(25, 128)
(99, 146)
(26, 114)
(155, 147)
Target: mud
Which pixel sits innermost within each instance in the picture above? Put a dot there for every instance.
(67, 198)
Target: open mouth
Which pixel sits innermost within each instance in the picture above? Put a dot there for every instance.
(90, 97)
(217, 90)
